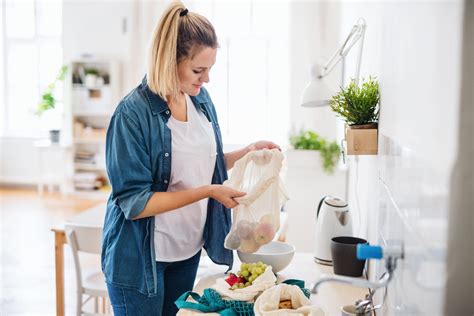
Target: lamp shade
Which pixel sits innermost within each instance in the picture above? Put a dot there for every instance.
(317, 92)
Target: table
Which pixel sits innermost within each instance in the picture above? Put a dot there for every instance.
(48, 172)
(331, 296)
(93, 217)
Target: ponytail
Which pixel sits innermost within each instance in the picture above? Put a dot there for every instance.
(179, 35)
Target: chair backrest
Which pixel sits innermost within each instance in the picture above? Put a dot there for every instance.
(84, 239)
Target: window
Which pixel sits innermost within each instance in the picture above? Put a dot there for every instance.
(31, 56)
(250, 80)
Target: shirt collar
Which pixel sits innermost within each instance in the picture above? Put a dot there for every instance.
(158, 105)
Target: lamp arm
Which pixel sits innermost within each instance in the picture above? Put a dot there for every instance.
(332, 62)
(357, 32)
(359, 58)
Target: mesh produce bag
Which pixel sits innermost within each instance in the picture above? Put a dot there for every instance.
(211, 301)
(256, 218)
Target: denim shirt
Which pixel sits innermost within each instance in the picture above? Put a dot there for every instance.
(138, 159)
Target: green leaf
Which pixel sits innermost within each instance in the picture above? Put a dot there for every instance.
(309, 140)
(357, 105)
(48, 101)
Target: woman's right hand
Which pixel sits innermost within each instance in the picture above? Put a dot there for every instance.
(225, 195)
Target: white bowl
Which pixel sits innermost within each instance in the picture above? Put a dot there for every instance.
(275, 253)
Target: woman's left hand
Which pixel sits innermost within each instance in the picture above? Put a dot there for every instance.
(263, 144)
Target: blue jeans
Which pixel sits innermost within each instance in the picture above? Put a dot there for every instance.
(173, 278)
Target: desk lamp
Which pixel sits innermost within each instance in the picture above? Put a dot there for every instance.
(317, 93)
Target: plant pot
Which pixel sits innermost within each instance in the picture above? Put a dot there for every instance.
(54, 136)
(362, 139)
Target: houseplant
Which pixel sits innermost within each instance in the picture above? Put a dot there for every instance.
(309, 140)
(48, 101)
(358, 106)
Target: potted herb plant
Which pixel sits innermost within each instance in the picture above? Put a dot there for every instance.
(309, 140)
(358, 106)
(48, 101)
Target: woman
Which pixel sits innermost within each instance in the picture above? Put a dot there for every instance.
(166, 167)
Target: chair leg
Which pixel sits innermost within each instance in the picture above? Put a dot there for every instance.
(96, 305)
(109, 306)
(103, 304)
(79, 304)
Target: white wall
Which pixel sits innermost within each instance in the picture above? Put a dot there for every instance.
(19, 161)
(314, 36)
(460, 255)
(98, 28)
(402, 194)
(414, 50)
(306, 184)
(23, 163)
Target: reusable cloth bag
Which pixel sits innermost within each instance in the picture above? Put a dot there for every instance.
(267, 304)
(211, 301)
(249, 293)
(256, 218)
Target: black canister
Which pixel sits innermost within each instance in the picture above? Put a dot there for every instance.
(344, 258)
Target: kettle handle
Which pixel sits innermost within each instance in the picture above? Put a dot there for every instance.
(319, 206)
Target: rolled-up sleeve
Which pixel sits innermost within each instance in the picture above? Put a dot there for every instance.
(128, 164)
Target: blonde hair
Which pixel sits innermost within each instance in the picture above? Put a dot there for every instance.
(178, 36)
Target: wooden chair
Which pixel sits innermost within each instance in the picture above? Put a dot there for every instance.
(90, 280)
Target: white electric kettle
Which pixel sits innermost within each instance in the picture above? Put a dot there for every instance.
(332, 219)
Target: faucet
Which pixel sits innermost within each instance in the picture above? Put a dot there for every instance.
(367, 252)
(352, 281)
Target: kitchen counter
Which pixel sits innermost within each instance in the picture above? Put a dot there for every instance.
(331, 296)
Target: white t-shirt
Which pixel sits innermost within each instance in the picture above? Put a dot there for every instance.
(179, 233)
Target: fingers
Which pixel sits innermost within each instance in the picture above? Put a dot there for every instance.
(239, 194)
(273, 146)
(264, 144)
(231, 203)
(225, 195)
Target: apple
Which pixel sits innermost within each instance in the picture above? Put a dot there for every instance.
(234, 279)
(267, 218)
(232, 241)
(264, 233)
(245, 230)
(249, 245)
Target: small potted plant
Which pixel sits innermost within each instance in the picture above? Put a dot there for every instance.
(329, 151)
(358, 106)
(48, 101)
